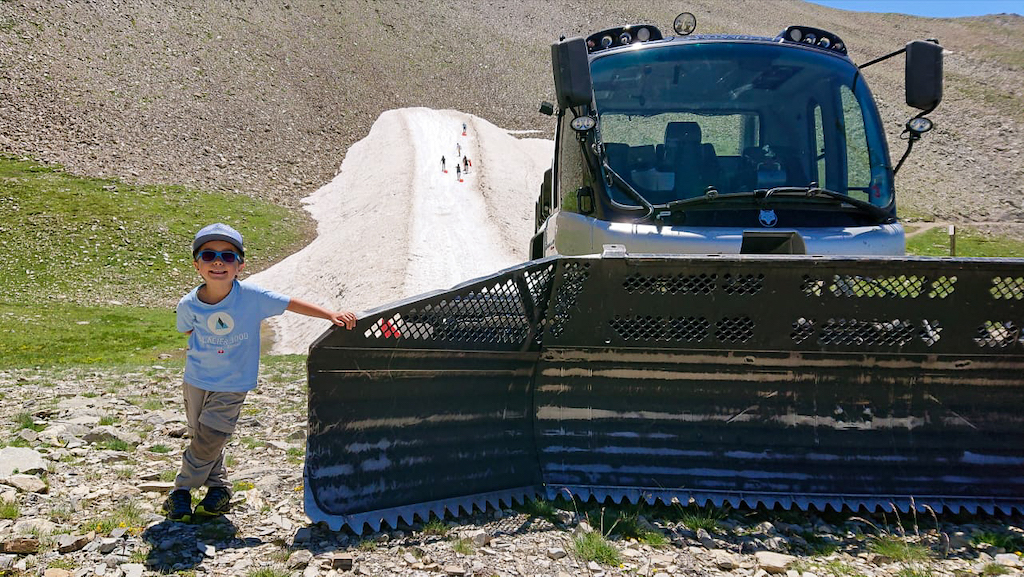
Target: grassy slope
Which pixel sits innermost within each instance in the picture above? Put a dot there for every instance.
(92, 268)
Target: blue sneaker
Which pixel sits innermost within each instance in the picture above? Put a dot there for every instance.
(216, 502)
(178, 505)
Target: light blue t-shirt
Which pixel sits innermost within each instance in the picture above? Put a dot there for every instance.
(224, 347)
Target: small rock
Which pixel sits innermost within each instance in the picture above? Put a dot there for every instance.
(342, 561)
(34, 526)
(56, 572)
(6, 562)
(155, 487)
(28, 435)
(299, 559)
(1008, 560)
(724, 560)
(133, 569)
(705, 539)
(583, 528)
(479, 538)
(564, 517)
(556, 553)
(206, 550)
(72, 543)
(773, 563)
(27, 483)
(455, 570)
(108, 544)
(104, 433)
(20, 545)
(303, 535)
(959, 540)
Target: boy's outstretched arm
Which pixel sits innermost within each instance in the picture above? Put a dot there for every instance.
(345, 319)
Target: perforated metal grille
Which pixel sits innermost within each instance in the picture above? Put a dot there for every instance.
(747, 284)
(852, 332)
(539, 283)
(896, 287)
(734, 330)
(803, 329)
(997, 334)
(1004, 287)
(670, 284)
(930, 332)
(654, 328)
(576, 274)
(495, 314)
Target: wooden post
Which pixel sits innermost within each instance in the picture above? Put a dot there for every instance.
(952, 240)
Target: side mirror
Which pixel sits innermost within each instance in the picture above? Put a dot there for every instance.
(572, 73)
(924, 74)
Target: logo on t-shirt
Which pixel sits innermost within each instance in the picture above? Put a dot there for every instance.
(220, 323)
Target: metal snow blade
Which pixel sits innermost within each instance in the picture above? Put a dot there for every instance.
(785, 381)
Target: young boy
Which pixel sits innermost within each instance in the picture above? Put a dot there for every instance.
(222, 318)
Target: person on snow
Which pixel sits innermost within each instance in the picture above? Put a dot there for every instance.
(442, 164)
(458, 172)
(465, 164)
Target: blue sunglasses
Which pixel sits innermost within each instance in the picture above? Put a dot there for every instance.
(227, 256)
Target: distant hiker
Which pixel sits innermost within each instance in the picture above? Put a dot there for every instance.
(458, 149)
(463, 129)
(465, 164)
(222, 320)
(442, 164)
(458, 172)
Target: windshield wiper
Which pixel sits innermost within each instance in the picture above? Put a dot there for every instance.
(613, 177)
(813, 191)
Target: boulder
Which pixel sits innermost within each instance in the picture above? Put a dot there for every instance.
(21, 460)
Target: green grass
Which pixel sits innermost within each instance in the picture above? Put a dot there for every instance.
(898, 548)
(594, 547)
(268, 572)
(9, 510)
(34, 336)
(125, 514)
(26, 421)
(435, 526)
(706, 518)
(108, 420)
(541, 508)
(116, 445)
(995, 569)
(831, 568)
(160, 449)
(463, 546)
(76, 250)
(969, 243)
(1007, 541)
(367, 545)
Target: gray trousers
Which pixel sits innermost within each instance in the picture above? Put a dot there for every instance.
(211, 420)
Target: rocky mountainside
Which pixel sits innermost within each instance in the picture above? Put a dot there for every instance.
(265, 97)
(86, 470)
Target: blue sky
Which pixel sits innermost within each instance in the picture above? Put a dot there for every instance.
(932, 8)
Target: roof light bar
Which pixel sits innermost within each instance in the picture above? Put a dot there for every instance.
(622, 36)
(814, 37)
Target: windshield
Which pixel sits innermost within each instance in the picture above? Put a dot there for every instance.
(738, 116)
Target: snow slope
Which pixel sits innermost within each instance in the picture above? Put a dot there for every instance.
(391, 224)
